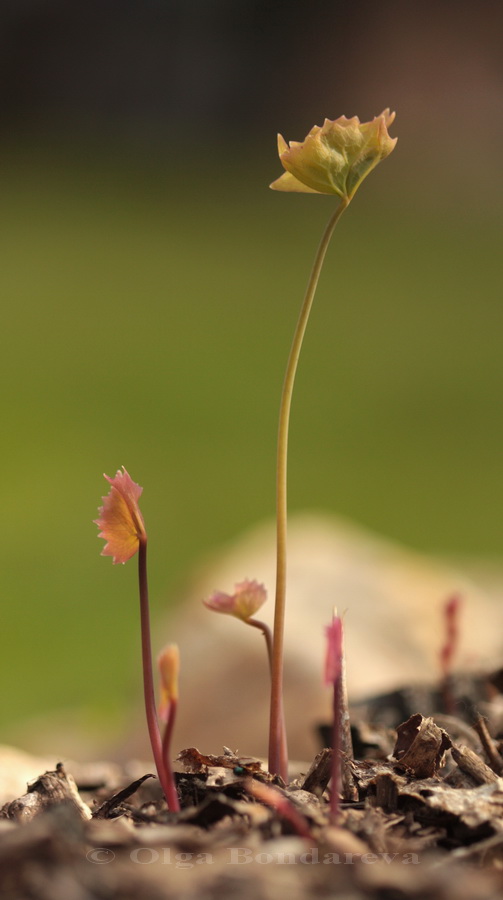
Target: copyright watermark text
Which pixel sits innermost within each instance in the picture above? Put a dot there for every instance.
(242, 856)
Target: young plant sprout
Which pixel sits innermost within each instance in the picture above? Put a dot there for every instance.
(278, 801)
(169, 665)
(451, 615)
(246, 600)
(333, 159)
(333, 678)
(121, 525)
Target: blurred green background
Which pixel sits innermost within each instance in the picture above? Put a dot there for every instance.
(150, 287)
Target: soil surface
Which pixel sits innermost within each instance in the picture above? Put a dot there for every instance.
(421, 816)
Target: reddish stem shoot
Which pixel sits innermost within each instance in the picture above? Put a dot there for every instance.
(266, 631)
(166, 755)
(284, 807)
(333, 674)
(451, 615)
(167, 783)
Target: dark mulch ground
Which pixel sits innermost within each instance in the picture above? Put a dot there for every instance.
(421, 817)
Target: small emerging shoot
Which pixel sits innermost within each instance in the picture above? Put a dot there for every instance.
(169, 666)
(333, 676)
(451, 616)
(333, 159)
(278, 801)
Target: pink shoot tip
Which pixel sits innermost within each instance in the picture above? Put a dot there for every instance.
(333, 658)
(451, 613)
(169, 667)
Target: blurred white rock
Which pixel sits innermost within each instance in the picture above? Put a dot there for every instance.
(17, 770)
(393, 600)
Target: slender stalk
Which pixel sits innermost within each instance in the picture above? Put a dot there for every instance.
(167, 784)
(451, 616)
(334, 675)
(266, 631)
(278, 801)
(348, 786)
(166, 755)
(335, 786)
(276, 764)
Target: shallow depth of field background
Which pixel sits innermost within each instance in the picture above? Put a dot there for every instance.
(151, 283)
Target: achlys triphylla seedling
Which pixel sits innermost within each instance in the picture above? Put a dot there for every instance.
(333, 159)
(451, 616)
(247, 599)
(169, 666)
(121, 525)
(333, 678)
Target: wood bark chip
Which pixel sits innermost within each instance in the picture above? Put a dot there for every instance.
(109, 806)
(420, 746)
(319, 773)
(472, 809)
(47, 790)
(490, 748)
(472, 765)
(387, 792)
(194, 761)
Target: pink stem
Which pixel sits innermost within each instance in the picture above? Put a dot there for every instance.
(336, 754)
(334, 676)
(451, 623)
(272, 797)
(166, 754)
(167, 783)
(283, 749)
